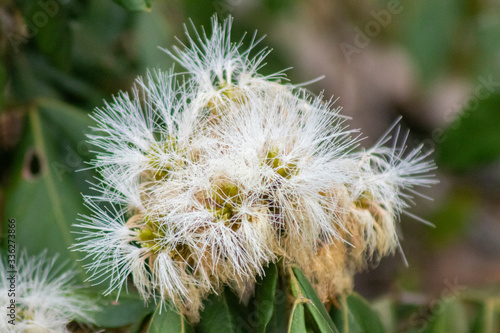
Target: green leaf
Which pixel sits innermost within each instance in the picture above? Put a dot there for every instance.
(345, 319)
(135, 5)
(487, 319)
(279, 319)
(473, 140)
(297, 322)
(322, 323)
(127, 310)
(262, 305)
(224, 313)
(168, 321)
(357, 316)
(302, 287)
(44, 195)
(449, 315)
(385, 309)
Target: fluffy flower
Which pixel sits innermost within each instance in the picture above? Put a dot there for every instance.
(46, 298)
(219, 66)
(204, 183)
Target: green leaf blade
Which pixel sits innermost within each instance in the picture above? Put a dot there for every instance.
(168, 320)
(357, 316)
(127, 310)
(322, 323)
(264, 301)
(223, 313)
(318, 310)
(297, 319)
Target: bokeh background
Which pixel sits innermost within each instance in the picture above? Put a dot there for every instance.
(436, 63)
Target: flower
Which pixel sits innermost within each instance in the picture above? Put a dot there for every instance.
(205, 183)
(45, 296)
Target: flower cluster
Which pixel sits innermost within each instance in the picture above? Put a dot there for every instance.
(209, 180)
(45, 296)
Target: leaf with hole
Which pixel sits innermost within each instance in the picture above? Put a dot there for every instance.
(44, 194)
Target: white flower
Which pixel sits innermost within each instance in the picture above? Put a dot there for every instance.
(216, 65)
(45, 296)
(205, 183)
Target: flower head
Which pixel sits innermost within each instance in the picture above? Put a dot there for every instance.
(212, 179)
(45, 296)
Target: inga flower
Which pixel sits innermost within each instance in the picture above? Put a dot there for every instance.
(45, 296)
(205, 183)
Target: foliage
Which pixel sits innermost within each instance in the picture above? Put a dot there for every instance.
(60, 59)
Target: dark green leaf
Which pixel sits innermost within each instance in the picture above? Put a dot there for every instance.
(356, 316)
(168, 320)
(279, 319)
(297, 319)
(44, 195)
(263, 302)
(223, 314)
(345, 320)
(316, 308)
(320, 322)
(473, 139)
(128, 309)
(487, 319)
(135, 5)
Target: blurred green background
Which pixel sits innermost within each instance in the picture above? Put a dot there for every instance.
(436, 63)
